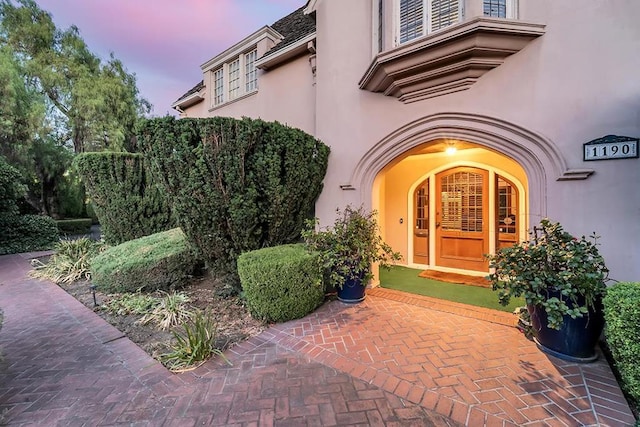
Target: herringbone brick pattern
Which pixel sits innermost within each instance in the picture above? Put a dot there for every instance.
(474, 372)
(63, 365)
(382, 362)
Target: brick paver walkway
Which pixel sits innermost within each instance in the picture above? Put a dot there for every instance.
(387, 361)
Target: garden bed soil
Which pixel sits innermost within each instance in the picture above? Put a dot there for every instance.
(234, 323)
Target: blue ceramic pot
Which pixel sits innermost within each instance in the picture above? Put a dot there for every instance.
(352, 291)
(576, 340)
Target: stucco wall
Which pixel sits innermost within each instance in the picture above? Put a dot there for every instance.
(577, 82)
(285, 94)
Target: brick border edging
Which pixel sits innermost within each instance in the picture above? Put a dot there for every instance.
(460, 309)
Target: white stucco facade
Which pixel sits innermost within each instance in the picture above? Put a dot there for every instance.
(525, 119)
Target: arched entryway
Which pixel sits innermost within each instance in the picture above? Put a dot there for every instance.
(536, 158)
(447, 210)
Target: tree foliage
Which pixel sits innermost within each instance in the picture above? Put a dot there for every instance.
(93, 104)
(58, 98)
(235, 185)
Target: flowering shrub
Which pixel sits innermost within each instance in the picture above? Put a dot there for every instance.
(554, 270)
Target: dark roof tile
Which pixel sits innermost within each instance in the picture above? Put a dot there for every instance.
(293, 27)
(197, 88)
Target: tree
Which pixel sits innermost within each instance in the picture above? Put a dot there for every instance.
(57, 98)
(95, 105)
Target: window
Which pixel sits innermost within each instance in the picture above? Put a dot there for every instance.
(499, 8)
(218, 86)
(461, 204)
(234, 79)
(420, 17)
(250, 73)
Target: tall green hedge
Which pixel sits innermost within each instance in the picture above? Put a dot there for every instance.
(622, 332)
(235, 185)
(126, 200)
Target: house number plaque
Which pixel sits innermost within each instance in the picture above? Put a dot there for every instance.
(611, 147)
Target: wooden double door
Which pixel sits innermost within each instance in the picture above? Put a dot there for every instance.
(460, 230)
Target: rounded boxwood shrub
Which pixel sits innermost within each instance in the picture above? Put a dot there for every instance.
(26, 233)
(622, 332)
(281, 283)
(160, 261)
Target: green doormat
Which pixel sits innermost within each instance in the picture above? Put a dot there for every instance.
(406, 279)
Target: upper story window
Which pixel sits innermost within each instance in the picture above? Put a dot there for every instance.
(234, 78)
(416, 18)
(420, 17)
(499, 8)
(218, 86)
(251, 73)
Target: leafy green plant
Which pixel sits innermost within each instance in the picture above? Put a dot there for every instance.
(71, 261)
(235, 185)
(170, 310)
(622, 315)
(196, 343)
(349, 248)
(281, 283)
(161, 261)
(124, 304)
(554, 270)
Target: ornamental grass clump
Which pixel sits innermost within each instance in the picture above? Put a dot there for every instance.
(71, 261)
(195, 344)
(555, 270)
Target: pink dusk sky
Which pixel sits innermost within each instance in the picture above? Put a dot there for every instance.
(164, 42)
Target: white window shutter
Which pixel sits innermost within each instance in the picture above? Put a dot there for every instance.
(444, 13)
(411, 19)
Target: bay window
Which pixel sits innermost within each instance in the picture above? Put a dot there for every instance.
(416, 18)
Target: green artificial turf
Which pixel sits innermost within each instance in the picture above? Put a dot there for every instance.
(407, 280)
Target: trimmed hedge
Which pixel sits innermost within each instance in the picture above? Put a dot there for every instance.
(74, 226)
(126, 201)
(162, 261)
(622, 333)
(26, 233)
(235, 185)
(281, 283)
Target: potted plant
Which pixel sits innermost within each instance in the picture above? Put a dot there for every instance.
(348, 250)
(562, 279)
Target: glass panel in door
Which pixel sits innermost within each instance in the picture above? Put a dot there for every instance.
(462, 234)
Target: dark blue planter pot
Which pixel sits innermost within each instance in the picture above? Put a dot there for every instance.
(352, 291)
(575, 341)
